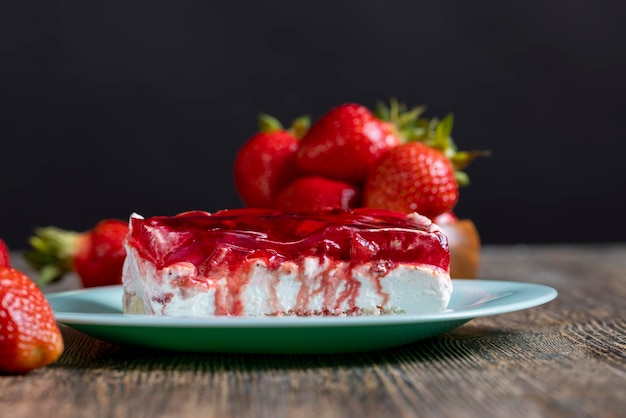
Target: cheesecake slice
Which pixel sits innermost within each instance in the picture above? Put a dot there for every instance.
(256, 262)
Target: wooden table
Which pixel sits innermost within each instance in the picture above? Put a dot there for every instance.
(564, 359)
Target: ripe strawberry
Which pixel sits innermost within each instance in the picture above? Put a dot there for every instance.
(97, 255)
(344, 143)
(4, 254)
(312, 193)
(423, 174)
(265, 163)
(29, 335)
(412, 178)
(434, 133)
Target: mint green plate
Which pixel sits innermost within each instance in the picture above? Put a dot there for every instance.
(98, 312)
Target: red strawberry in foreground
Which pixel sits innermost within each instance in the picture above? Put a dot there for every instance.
(266, 162)
(311, 193)
(29, 335)
(97, 256)
(4, 254)
(412, 178)
(344, 143)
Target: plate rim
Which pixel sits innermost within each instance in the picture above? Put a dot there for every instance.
(529, 294)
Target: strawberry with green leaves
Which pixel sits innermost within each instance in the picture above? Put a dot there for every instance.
(412, 178)
(97, 255)
(29, 335)
(424, 173)
(344, 143)
(312, 193)
(266, 162)
(435, 133)
(392, 159)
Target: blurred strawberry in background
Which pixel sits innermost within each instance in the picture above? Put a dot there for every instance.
(344, 143)
(313, 193)
(266, 162)
(97, 255)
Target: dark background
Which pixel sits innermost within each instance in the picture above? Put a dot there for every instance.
(115, 107)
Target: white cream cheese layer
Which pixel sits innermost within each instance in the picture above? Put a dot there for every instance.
(317, 286)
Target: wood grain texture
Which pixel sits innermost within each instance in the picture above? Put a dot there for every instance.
(563, 359)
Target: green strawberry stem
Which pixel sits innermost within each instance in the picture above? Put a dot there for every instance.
(52, 253)
(435, 133)
(299, 126)
(269, 123)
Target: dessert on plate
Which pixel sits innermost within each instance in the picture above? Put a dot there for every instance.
(262, 262)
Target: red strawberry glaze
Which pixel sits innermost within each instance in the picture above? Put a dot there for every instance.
(227, 244)
(358, 235)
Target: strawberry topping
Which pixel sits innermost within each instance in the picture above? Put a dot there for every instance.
(230, 237)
